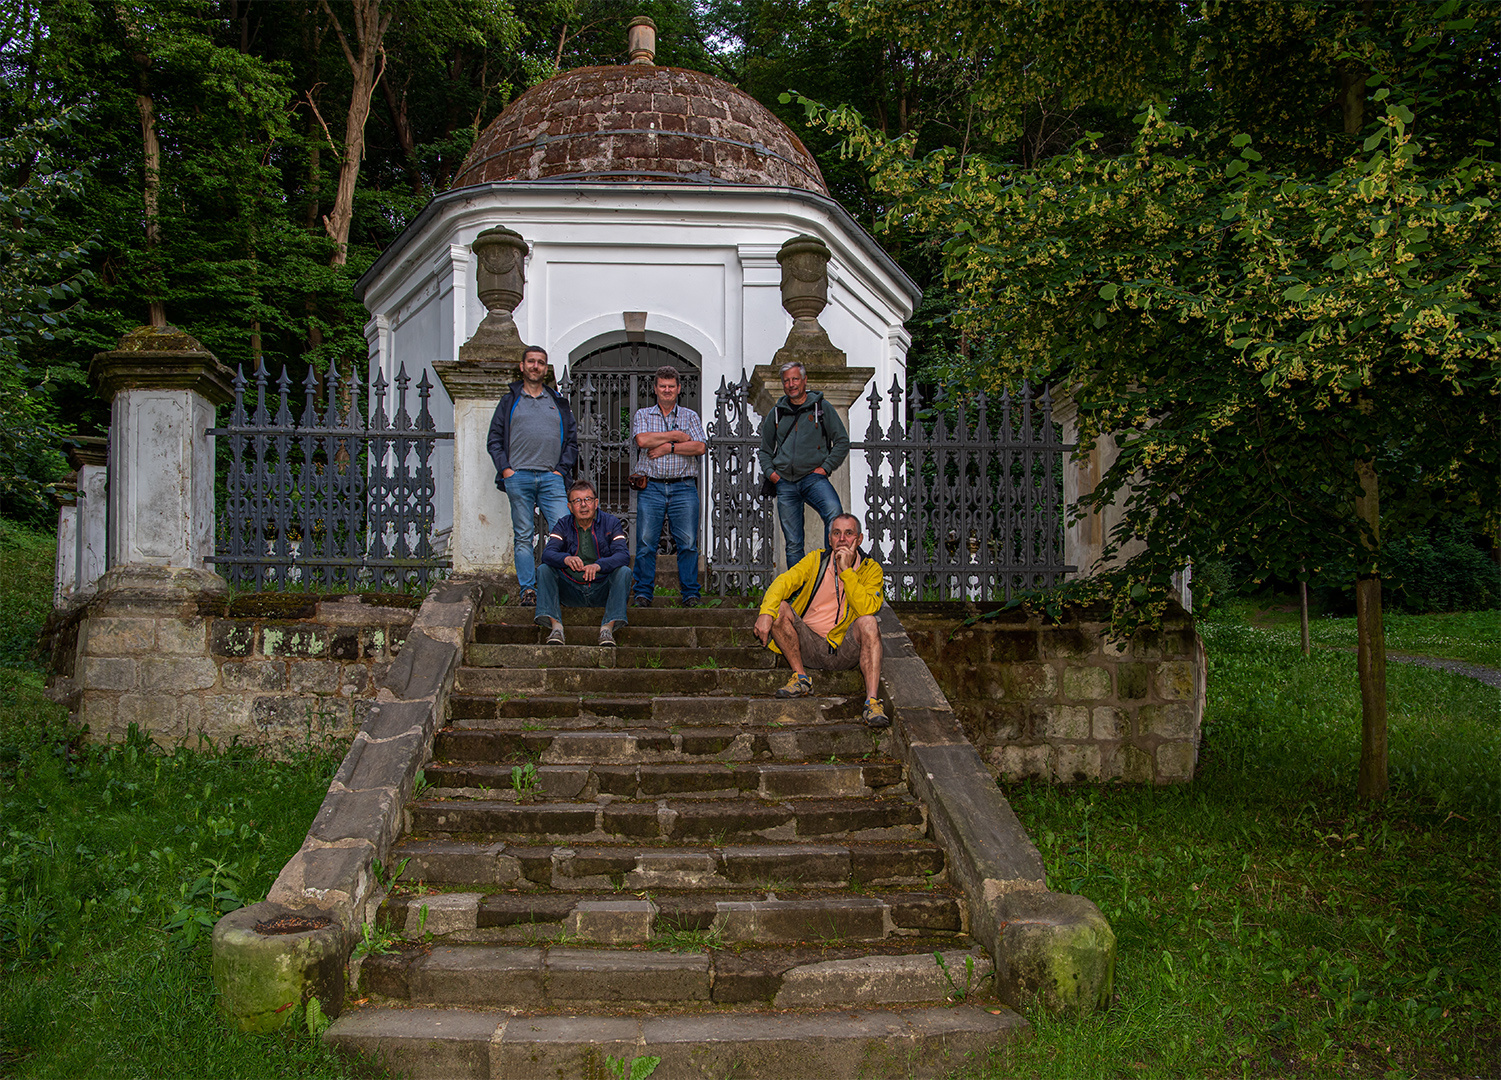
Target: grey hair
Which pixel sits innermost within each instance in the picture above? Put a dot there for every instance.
(790, 364)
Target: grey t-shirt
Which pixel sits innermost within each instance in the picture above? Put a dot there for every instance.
(536, 433)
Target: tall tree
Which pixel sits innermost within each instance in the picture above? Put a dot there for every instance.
(1291, 331)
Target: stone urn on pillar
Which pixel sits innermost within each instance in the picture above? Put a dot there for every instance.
(487, 365)
(805, 293)
(500, 260)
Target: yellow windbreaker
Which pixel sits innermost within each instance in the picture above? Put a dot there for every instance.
(864, 590)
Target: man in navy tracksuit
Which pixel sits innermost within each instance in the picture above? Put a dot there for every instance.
(534, 444)
(587, 563)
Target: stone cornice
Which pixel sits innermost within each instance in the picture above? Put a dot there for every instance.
(152, 369)
(484, 379)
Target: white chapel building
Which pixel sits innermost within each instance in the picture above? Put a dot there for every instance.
(640, 191)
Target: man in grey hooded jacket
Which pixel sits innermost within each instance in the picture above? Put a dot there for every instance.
(802, 442)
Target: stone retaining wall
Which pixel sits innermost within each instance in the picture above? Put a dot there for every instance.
(266, 670)
(1058, 700)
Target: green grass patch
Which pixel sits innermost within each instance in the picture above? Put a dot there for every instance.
(115, 862)
(1268, 923)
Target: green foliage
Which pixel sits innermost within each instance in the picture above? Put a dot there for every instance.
(634, 1068)
(524, 780)
(1441, 570)
(1267, 923)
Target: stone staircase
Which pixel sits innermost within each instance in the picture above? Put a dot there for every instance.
(641, 852)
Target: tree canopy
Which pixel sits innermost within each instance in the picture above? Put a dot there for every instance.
(1279, 298)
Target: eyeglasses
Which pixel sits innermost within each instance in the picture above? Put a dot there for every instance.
(583, 500)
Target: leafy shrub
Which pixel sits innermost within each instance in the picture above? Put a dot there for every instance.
(1441, 570)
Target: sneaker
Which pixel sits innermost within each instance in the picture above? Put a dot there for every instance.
(607, 634)
(799, 685)
(640, 601)
(874, 714)
(528, 598)
(556, 637)
(690, 601)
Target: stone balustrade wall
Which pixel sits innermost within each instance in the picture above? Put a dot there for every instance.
(1059, 700)
(271, 671)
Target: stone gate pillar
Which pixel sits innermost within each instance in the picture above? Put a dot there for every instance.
(162, 387)
(805, 293)
(476, 381)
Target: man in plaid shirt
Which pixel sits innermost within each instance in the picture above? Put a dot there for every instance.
(669, 441)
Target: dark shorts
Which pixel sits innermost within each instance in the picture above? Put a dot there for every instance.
(818, 655)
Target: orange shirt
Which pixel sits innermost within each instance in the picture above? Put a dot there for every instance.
(823, 610)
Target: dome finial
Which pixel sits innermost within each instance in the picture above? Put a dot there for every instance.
(641, 40)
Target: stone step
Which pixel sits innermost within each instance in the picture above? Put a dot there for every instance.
(637, 681)
(564, 976)
(840, 1044)
(656, 615)
(623, 918)
(872, 864)
(663, 710)
(505, 740)
(691, 821)
(583, 777)
(625, 655)
(641, 635)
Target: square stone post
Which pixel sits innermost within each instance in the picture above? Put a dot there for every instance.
(162, 387)
(90, 456)
(487, 365)
(1084, 538)
(805, 291)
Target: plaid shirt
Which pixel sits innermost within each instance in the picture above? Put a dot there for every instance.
(668, 466)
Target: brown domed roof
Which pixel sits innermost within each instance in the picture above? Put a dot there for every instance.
(639, 123)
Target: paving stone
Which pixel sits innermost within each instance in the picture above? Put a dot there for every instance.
(926, 911)
(512, 909)
(548, 1047)
(613, 975)
(794, 781)
(423, 1044)
(808, 864)
(508, 819)
(880, 980)
(477, 975)
(442, 913)
(830, 919)
(612, 922)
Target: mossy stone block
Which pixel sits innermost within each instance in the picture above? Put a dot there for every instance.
(1054, 948)
(266, 979)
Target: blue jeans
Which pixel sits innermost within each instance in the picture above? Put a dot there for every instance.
(529, 489)
(678, 503)
(609, 591)
(815, 490)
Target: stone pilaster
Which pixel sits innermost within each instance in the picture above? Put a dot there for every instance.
(481, 538)
(805, 293)
(162, 387)
(90, 457)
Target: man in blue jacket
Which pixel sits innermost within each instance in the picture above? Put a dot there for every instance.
(587, 563)
(534, 444)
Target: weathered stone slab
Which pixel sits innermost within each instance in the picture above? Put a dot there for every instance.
(883, 980)
(612, 975)
(548, 1047)
(477, 975)
(442, 913)
(612, 922)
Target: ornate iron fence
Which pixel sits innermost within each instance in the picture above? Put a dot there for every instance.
(966, 501)
(340, 497)
(740, 545)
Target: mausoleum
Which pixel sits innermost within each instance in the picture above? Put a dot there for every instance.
(648, 206)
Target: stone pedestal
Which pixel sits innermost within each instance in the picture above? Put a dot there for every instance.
(91, 458)
(481, 538)
(162, 386)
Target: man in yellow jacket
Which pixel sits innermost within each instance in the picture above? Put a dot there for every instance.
(821, 614)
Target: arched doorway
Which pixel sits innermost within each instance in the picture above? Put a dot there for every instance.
(605, 387)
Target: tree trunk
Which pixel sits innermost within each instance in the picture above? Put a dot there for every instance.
(1303, 620)
(1371, 644)
(151, 185)
(397, 103)
(362, 54)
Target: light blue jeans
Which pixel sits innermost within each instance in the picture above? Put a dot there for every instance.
(608, 591)
(815, 490)
(678, 503)
(530, 489)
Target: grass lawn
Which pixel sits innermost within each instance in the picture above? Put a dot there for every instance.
(1268, 924)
